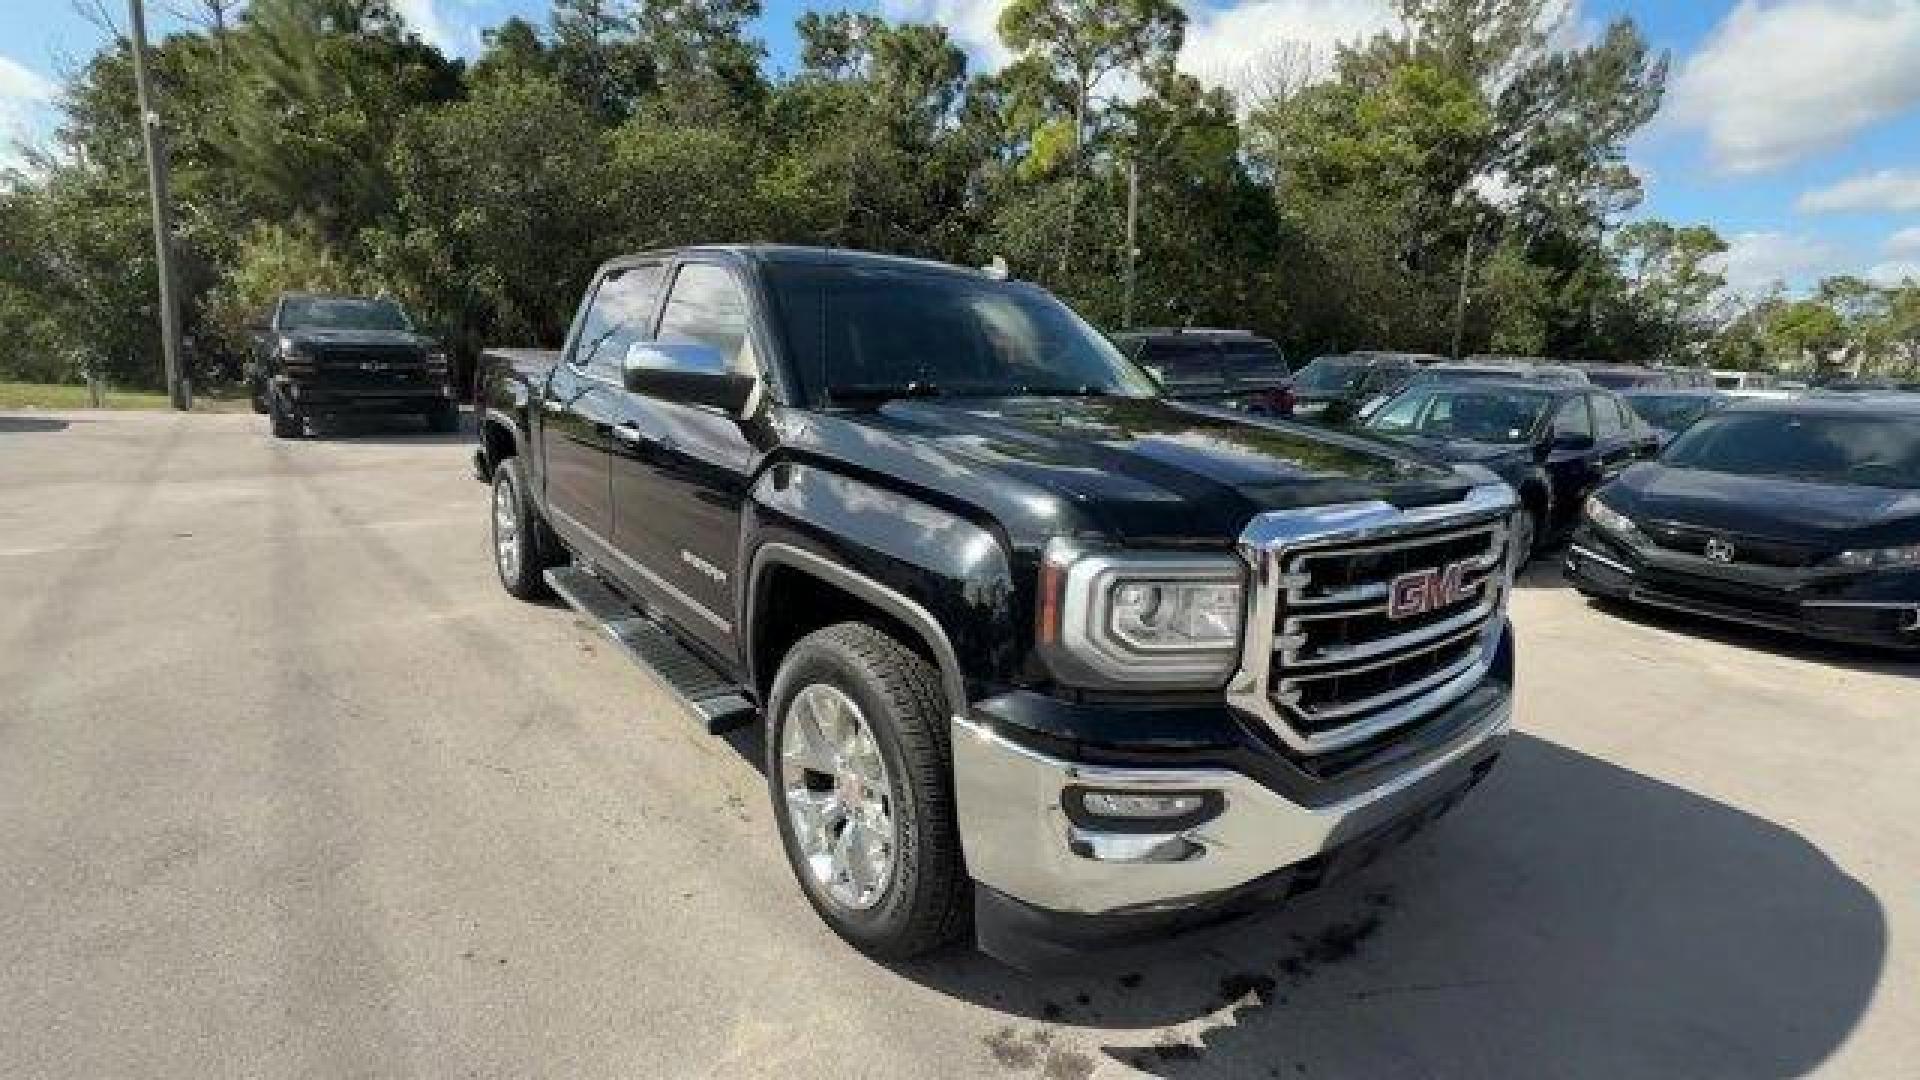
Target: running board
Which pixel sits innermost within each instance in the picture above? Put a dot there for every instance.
(711, 696)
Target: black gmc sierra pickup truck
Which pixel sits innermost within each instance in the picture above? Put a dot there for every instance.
(1033, 646)
(317, 355)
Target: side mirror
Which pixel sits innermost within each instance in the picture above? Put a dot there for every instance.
(688, 372)
(1573, 443)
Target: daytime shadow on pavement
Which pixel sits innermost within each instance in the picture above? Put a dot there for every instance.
(1572, 919)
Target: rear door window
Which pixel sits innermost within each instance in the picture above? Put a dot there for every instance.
(1573, 418)
(1607, 421)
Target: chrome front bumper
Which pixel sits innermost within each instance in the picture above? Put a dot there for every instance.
(1019, 840)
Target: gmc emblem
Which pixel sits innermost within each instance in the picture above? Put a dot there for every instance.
(1420, 591)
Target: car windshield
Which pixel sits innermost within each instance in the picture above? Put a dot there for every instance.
(341, 313)
(1869, 450)
(1672, 412)
(880, 331)
(1330, 376)
(1474, 413)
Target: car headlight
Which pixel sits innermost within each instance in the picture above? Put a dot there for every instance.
(1889, 558)
(292, 349)
(1140, 617)
(1610, 520)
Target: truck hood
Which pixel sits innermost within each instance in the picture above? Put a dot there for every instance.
(1830, 515)
(1151, 470)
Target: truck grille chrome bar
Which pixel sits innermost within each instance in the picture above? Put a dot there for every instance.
(1331, 656)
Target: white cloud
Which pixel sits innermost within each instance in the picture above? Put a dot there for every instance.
(424, 19)
(973, 24)
(1227, 46)
(1779, 80)
(1782, 79)
(1897, 272)
(1905, 242)
(1754, 261)
(1888, 189)
(26, 101)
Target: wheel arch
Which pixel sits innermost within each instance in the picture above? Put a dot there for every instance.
(833, 593)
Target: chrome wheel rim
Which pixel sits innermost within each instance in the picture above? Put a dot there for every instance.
(839, 803)
(506, 530)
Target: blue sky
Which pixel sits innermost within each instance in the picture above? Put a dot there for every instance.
(1791, 126)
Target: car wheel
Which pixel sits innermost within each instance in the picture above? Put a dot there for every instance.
(517, 551)
(259, 396)
(444, 419)
(287, 424)
(860, 772)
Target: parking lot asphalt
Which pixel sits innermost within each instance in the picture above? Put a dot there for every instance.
(290, 787)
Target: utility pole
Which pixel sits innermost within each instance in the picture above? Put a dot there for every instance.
(1133, 240)
(1460, 300)
(154, 139)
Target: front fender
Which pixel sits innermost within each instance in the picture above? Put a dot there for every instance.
(946, 577)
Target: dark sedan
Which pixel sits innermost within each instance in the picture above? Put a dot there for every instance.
(1802, 516)
(1554, 443)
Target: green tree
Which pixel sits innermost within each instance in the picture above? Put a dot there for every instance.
(1079, 45)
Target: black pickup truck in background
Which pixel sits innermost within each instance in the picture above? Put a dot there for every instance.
(318, 355)
(1034, 647)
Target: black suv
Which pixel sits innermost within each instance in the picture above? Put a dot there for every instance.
(1035, 647)
(1233, 367)
(318, 355)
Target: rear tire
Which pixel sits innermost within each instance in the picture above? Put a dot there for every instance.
(259, 396)
(518, 554)
(828, 792)
(287, 424)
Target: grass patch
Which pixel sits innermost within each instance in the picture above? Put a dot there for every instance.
(20, 395)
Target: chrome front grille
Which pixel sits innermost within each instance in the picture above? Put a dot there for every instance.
(1332, 655)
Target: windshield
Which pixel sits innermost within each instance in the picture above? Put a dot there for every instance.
(1330, 376)
(341, 313)
(857, 331)
(1473, 413)
(1875, 451)
(1670, 413)
(1255, 361)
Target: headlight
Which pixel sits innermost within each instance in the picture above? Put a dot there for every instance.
(1610, 520)
(1140, 617)
(291, 349)
(1890, 558)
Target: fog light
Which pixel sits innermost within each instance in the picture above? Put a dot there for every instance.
(1118, 804)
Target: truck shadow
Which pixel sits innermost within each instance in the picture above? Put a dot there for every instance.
(1573, 918)
(22, 425)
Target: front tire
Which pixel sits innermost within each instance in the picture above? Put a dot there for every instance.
(518, 555)
(860, 772)
(287, 424)
(1526, 539)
